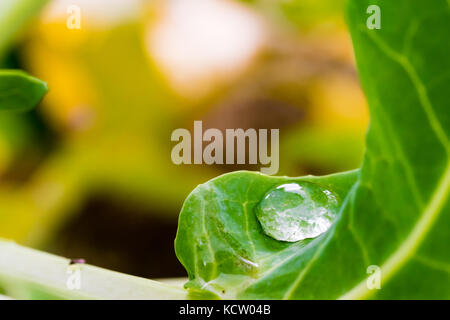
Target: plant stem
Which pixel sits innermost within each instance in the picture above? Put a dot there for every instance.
(30, 274)
(13, 16)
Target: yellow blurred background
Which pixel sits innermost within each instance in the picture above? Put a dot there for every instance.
(89, 174)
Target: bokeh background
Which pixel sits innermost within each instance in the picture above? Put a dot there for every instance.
(88, 174)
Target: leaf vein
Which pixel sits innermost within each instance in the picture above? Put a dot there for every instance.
(420, 89)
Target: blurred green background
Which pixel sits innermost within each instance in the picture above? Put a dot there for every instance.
(88, 174)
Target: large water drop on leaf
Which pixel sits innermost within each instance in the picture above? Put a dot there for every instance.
(297, 211)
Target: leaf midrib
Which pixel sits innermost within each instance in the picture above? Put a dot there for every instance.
(412, 242)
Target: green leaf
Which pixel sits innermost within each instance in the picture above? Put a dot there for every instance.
(395, 216)
(19, 91)
(220, 241)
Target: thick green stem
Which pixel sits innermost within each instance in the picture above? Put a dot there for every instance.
(13, 16)
(29, 274)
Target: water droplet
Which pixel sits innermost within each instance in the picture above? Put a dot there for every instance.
(297, 211)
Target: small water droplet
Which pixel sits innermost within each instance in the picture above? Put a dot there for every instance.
(297, 211)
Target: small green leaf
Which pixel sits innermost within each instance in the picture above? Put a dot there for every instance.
(222, 244)
(19, 91)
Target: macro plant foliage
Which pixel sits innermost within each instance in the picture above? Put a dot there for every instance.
(393, 212)
(19, 91)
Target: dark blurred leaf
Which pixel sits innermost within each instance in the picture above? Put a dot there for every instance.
(14, 14)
